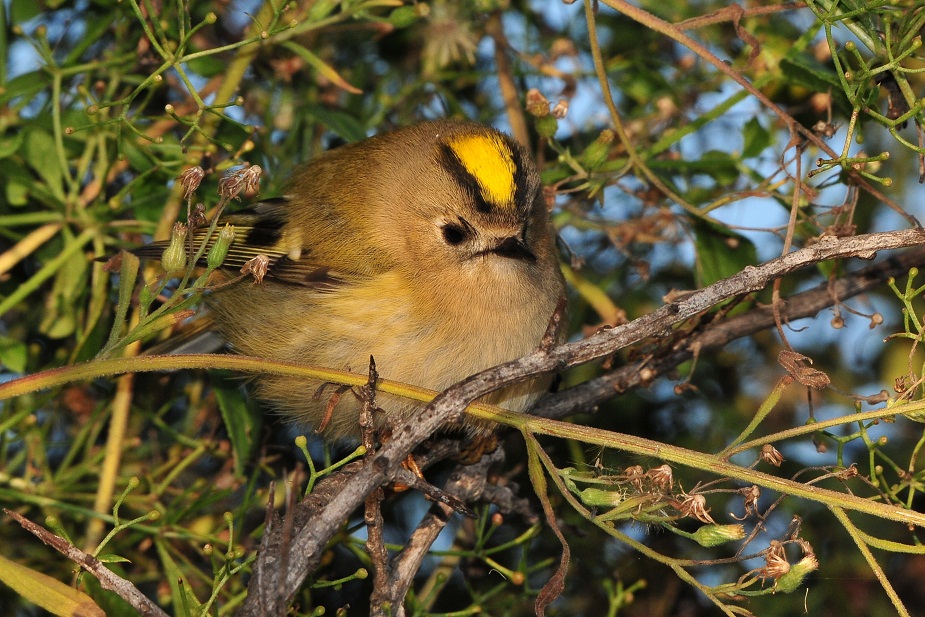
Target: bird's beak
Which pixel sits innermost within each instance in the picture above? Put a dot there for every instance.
(514, 248)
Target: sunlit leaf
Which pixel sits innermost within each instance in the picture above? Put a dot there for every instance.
(47, 592)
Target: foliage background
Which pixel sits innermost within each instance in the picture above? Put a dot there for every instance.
(688, 179)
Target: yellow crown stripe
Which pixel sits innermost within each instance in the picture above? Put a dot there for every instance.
(490, 161)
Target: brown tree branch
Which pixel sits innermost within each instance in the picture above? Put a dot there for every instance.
(466, 483)
(321, 516)
(583, 397)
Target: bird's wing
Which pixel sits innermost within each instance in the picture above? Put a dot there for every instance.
(264, 229)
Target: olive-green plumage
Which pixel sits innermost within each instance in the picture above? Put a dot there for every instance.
(429, 248)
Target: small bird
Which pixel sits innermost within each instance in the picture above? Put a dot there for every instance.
(429, 248)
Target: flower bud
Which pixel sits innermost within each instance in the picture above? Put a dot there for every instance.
(598, 497)
(547, 126)
(219, 250)
(793, 579)
(714, 535)
(596, 153)
(174, 257)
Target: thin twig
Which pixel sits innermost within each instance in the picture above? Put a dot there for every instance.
(466, 483)
(107, 578)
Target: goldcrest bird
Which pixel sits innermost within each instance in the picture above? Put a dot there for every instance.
(429, 248)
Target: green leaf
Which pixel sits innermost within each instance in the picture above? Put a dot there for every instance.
(140, 159)
(25, 86)
(13, 354)
(803, 71)
(128, 274)
(23, 10)
(112, 558)
(757, 139)
(807, 72)
(343, 124)
(241, 421)
(721, 253)
(47, 592)
(183, 599)
(321, 67)
(207, 66)
(720, 166)
(10, 144)
(60, 318)
(17, 180)
(41, 154)
(17, 193)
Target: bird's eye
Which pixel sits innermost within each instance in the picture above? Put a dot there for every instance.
(454, 234)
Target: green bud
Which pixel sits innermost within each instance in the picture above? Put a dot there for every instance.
(598, 497)
(595, 154)
(174, 257)
(403, 16)
(792, 580)
(714, 535)
(219, 250)
(145, 296)
(547, 126)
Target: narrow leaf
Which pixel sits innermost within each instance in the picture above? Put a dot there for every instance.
(324, 69)
(47, 592)
(554, 587)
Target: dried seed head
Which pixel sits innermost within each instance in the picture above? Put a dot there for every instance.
(560, 109)
(848, 472)
(751, 494)
(695, 506)
(251, 179)
(635, 474)
(770, 454)
(190, 180)
(231, 185)
(795, 364)
(257, 267)
(197, 218)
(537, 104)
(661, 477)
(776, 564)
